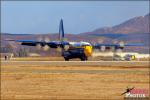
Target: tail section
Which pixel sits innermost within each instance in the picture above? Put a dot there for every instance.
(61, 31)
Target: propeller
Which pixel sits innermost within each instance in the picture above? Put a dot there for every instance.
(100, 41)
(118, 48)
(102, 48)
(62, 47)
(44, 45)
(115, 41)
(39, 39)
(46, 40)
(38, 46)
(121, 46)
(66, 47)
(121, 43)
(59, 49)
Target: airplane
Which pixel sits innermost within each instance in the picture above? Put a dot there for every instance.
(70, 50)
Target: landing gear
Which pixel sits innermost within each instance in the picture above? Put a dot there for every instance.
(84, 58)
(74, 53)
(66, 59)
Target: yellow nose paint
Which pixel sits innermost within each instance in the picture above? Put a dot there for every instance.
(88, 50)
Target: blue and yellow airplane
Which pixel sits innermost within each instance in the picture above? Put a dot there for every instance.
(69, 50)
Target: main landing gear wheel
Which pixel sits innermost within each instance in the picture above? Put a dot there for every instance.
(83, 58)
(66, 59)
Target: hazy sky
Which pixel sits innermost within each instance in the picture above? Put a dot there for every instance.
(31, 17)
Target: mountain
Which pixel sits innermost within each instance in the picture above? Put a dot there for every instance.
(138, 24)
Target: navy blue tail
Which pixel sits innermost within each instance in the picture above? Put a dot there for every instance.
(61, 31)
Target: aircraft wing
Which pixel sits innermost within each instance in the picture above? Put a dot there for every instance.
(117, 45)
(51, 44)
(134, 44)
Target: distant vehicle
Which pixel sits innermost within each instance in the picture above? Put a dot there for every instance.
(69, 50)
(129, 57)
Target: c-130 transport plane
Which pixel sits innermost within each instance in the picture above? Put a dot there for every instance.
(69, 50)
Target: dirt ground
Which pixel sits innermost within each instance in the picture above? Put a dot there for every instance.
(70, 82)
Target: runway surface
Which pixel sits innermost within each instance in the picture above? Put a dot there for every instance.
(79, 63)
(71, 79)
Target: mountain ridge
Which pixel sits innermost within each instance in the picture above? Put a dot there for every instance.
(139, 24)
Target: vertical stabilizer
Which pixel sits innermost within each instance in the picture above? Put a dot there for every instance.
(61, 31)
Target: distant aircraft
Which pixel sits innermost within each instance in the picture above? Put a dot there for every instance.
(69, 50)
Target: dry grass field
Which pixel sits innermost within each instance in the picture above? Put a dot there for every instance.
(70, 82)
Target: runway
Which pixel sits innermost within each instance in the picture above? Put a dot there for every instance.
(78, 63)
(71, 79)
